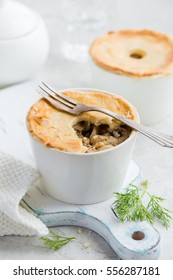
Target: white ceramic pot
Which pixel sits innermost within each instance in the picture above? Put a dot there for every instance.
(152, 96)
(24, 43)
(83, 178)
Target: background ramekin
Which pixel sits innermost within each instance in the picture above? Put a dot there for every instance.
(83, 178)
(152, 96)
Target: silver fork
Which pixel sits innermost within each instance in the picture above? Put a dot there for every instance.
(62, 102)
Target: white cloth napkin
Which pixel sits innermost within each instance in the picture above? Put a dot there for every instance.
(15, 179)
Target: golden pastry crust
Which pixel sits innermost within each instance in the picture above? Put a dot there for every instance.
(137, 53)
(55, 128)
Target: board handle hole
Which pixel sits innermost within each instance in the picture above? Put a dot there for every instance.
(138, 235)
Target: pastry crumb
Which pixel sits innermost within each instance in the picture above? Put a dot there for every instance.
(79, 231)
(85, 245)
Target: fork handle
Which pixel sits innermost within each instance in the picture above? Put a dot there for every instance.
(160, 138)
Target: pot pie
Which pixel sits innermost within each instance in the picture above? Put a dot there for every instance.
(84, 133)
(138, 53)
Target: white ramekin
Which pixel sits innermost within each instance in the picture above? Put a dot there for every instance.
(79, 178)
(152, 96)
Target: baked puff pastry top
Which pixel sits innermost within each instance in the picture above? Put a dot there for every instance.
(138, 53)
(87, 132)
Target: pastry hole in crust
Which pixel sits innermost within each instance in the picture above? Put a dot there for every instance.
(137, 54)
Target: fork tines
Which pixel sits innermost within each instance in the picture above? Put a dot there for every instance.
(58, 94)
(57, 99)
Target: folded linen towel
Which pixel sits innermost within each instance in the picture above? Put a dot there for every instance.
(15, 179)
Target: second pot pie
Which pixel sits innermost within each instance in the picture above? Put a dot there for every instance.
(84, 133)
(135, 53)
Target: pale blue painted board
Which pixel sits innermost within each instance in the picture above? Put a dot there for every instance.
(99, 218)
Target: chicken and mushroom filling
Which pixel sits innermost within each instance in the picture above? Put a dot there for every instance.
(101, 137)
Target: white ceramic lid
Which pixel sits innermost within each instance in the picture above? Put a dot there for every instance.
(16, 20)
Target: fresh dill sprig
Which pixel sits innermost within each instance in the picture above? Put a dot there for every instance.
(55, 241)
(129, 206)
(159, 212)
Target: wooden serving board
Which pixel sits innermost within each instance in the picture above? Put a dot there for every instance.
(100, 217)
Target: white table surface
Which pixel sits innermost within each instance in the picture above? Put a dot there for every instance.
(156, 162)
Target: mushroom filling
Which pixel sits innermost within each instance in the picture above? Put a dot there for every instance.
(101, 137)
